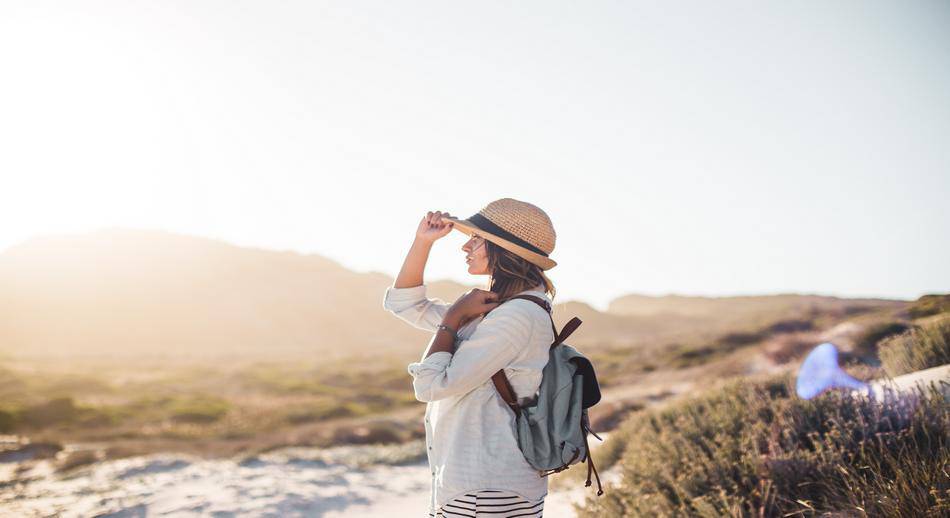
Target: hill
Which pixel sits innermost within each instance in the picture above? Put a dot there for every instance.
(121, 292)
(129, 292)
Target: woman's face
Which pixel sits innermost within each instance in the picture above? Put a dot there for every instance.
(476, 255)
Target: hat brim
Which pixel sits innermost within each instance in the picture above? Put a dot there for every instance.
(467, 227)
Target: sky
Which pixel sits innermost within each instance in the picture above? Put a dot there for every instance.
(695, 148)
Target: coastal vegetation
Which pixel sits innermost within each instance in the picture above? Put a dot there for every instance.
(748, 446)
(213, 409)
(751, 448)
(921, 347)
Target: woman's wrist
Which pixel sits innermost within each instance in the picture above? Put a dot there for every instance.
(452, 319)
(443, 340)
(450, 330)
(423, 243)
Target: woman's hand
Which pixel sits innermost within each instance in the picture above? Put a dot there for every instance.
(473, 304)
(433, 227)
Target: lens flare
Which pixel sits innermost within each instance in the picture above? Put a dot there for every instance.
(820, 372)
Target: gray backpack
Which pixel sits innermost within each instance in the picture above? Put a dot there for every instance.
(553, 425)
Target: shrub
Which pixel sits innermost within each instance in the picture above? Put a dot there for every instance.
(866, 343)
(7, 421)
(198, 409)
(733, 340)
(681, 357)
(752, 449)
(790, 326)
(54, 411)
(317, 411)
(99, 416)
(919, 348)
(930, 305)
(613, 413)
(78, 459)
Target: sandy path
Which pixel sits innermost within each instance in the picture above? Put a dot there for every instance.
(311, 482)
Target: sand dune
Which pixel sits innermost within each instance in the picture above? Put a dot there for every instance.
(330, 483)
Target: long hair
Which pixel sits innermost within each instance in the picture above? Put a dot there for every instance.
(511, 274)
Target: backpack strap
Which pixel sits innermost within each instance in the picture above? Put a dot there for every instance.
(501, 380)
(568, 328)
(585, 427)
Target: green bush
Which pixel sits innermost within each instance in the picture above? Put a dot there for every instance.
(922, 347)
(754, 449)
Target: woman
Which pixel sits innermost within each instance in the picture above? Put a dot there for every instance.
(477, 467)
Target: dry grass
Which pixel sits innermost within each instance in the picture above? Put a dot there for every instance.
(220, 408)
(752, 449)
(923, 346)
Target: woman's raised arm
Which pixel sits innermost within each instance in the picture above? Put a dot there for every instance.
(406, 298)
(430, 229)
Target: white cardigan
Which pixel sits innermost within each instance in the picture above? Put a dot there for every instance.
(470, 432)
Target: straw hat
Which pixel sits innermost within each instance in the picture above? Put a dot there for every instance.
(517, 226)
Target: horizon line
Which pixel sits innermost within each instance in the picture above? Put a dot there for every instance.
(342, 264)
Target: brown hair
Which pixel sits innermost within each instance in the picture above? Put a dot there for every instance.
(511, 273)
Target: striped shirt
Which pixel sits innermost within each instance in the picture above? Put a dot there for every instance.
(490, 503)
(471, 438)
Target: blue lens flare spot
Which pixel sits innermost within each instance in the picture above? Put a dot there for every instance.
(820, 372)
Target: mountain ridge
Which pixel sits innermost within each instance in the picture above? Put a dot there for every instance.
(130, 291)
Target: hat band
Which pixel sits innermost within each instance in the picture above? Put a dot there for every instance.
(485, 224)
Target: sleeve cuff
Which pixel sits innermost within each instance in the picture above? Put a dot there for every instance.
(404, 294)
(435, 362)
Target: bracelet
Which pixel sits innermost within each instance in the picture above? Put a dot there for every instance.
(455, 336)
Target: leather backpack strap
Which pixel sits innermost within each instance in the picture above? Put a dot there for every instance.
(568, 328)
(501, 380)
(504, 389)
(547, 307)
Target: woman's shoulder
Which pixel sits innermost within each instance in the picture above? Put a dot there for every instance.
(523, 305)
(523, 310)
